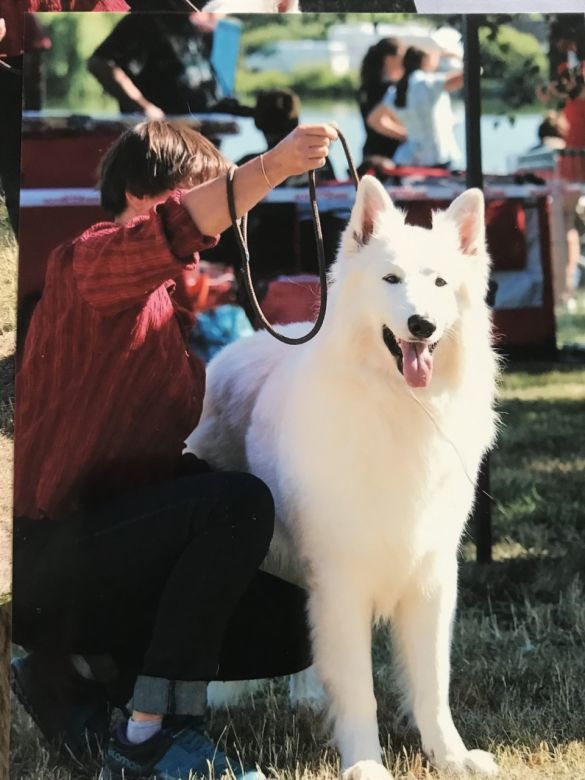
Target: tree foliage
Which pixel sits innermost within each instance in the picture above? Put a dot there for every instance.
(515, 60)
(69, 84)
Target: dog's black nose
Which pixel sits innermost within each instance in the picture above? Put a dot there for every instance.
(420, 328)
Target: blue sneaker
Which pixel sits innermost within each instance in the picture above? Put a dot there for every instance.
(181, 753)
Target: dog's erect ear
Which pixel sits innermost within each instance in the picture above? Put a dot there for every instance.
(468, 213)
(371, 202)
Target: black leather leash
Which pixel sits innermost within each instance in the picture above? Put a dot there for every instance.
(240, 226)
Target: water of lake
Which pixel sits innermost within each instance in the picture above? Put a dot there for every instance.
(501, 141)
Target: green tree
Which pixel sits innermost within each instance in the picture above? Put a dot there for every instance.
(75, 37)
(514, 61)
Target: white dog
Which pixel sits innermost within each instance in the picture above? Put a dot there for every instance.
(370, 437)
(252, 6)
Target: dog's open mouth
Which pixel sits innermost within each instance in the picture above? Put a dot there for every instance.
(413, 358)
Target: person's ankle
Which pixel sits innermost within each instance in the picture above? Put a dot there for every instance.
(142, 726)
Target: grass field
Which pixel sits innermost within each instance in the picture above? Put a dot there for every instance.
(519, 645)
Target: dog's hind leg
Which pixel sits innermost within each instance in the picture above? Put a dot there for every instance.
(422, 626)
(341, 621)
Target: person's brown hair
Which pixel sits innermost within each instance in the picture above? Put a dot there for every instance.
(553, 125)
(371, 71)
(412, 60)
(154, 157)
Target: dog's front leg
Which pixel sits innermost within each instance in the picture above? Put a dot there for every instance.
(341, 621)
(422, 627)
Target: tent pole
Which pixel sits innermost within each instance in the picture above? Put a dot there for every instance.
(482, 516)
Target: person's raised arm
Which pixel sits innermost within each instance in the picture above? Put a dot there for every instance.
(384, 121)
(118, 266)
(305, 149)
(118, 84)
(454, 80)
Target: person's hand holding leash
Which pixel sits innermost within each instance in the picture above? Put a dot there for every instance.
(305, 149)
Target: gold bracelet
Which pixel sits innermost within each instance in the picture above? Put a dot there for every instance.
(264, 172)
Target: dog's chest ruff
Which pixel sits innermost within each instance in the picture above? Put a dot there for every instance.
(377, 462)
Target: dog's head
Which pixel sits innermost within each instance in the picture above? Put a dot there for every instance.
(416, 283)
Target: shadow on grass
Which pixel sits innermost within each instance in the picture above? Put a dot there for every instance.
(536, 367)
(505, 587)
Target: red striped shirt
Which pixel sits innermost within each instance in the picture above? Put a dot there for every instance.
(107, 390)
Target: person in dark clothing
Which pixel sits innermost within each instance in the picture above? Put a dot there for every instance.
(159, 64)
(22, 34)
(11, 59)
(381, 67)
(135, 569)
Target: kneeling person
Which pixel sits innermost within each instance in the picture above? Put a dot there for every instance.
(136, 568)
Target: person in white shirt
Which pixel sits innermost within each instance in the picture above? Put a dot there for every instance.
(421, 102)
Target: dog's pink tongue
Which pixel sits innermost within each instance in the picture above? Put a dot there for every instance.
(417, 363)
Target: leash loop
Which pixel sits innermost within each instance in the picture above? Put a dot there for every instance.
(240, 227)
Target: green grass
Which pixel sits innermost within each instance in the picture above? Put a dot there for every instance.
(571, 326)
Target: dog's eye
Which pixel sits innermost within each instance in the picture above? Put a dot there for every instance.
(392, 279)
(440, 282)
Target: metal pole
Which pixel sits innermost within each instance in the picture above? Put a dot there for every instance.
(482, 516)
(472, 97)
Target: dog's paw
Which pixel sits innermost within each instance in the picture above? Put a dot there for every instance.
(366, 770)
(478, 762)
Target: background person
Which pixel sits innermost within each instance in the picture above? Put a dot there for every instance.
(420, 100)
(157, 64)
(126, 552)
(566, 90)
(276, 114)
(552, 132)
(12, 13)
(381, 68)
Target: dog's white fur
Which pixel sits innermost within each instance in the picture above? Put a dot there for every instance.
(373, 480)
(252, 6)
